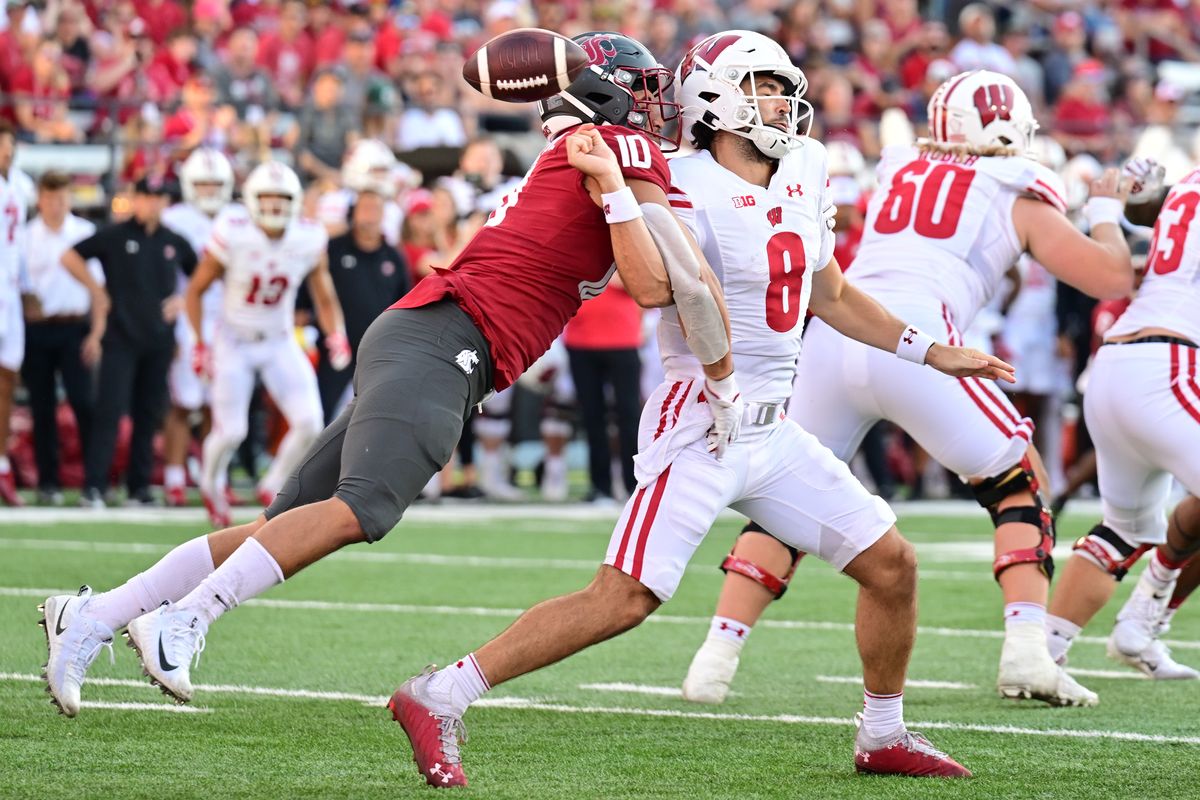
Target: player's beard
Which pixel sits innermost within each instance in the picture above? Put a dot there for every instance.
(752, 153)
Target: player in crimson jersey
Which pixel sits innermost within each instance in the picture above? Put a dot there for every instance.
(462, 333)
(1148, 363)
(756, 199)
(950, 217)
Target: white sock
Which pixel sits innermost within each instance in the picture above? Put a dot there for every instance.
(1158, 575)
(554, 473)
(249, 572)
(491, 468)
(5, 467)
(459, 685)
(727, 629)
(1059, 635)
(883, 714)
(1021, 613)
(1165, 621)
(173, 475)
(177, 573)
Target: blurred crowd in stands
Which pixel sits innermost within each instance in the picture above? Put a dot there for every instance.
(112, 92)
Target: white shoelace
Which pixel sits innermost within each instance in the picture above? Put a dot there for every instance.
(188, 636)
(85, 655)
(453, 730)
(917, 743)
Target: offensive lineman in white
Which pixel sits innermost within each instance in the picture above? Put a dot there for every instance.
(1143, 409)
(206, 180)
(262, 251)
(949, 219)
(756, 204)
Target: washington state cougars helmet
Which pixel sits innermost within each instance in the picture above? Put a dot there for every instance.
(984, 109)
(206, 166)
(709, 87)
(276, 179)
(623, 85)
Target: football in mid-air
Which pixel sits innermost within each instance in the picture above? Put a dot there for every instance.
(525, 65)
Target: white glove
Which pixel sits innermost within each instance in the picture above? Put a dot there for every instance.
(727, 407)
(338, 347)
(1147, 175)
(829, 213)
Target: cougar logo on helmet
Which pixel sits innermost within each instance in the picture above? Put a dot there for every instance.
(599, 49)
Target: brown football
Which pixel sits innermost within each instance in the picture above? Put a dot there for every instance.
(524, 65)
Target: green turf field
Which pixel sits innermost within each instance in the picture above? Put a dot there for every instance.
(347, 631)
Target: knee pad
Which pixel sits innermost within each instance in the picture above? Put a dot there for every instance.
(990, 492)
(1110, 551)
(748, 569)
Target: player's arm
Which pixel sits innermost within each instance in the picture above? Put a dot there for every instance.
(854, 313)
(208, 270)
(1098, 264)
(329, 314)
(77, 267)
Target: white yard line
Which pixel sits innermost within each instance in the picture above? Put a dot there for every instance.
(911, 683)
(537, 705)
(633, 688)
(510, 613)
(145, 707)
(1116, 674)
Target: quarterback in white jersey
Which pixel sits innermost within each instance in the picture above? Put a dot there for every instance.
(949, 219)
(754, 199)
(262, 251)
(12, 320)
(1143, 410)
(206, 180)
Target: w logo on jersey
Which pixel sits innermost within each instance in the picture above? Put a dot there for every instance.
(775, 216)
(994, 102)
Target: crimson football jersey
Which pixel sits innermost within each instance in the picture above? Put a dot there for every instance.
(542, 252)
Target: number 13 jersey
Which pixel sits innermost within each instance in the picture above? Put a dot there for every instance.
(764, 245)
(939, 229)
(262, 275)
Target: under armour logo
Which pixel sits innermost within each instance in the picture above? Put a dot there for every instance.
(909, 334)
(437, 771)
(864, 755)
(725, 626)
(775, 216)
(794, 190)
(466, 360)
(607, 209)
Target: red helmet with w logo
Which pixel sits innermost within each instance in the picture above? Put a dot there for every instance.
(982, 108)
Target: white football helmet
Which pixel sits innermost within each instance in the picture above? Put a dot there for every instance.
(272, 178)
(708, 86)
(844, 159)
(984, 109)
(206, 166)
(368, 167)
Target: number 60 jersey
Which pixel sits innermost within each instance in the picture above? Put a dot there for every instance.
(764, 245)
(939, 231)
(262, 275)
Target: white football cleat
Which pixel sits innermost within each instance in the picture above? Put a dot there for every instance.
(167, 641)
(74, 640)
(1155, 661)
(1138, 620)
(711, 672)
(1028, 673)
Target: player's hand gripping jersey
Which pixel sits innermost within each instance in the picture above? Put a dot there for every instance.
(542, 252)
(764, 245)
(1169, 296)
(939, 231)
(262, 275)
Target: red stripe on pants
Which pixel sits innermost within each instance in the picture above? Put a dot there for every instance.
(651, 512)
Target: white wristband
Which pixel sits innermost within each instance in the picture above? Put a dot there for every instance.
(620, 206)
(1100, 210)
(914, 344)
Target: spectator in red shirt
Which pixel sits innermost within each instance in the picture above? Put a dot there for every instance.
(602, 342)
(198, 122)
(932, 45)
(171, 67)
(328, 29)
(261, 15)
(288, 54)
(162, 18)
(1082, 118)
(41, 92)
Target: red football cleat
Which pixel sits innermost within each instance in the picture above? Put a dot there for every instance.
(175, 496)
(231, 498)
(434, 737)
(8, 491)
(218, 514)
(265, 497)
(910, 755)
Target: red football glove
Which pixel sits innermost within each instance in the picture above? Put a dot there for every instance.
(202, 360)
(338, 347)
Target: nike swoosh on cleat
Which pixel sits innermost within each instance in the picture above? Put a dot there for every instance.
(162, 657)
(58, 626)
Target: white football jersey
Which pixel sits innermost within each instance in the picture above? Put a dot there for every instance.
(939, 229)
(194, 225)
(763, 244)
(12, 224)
(1169, 296)
(262, 275)
(333, 209)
